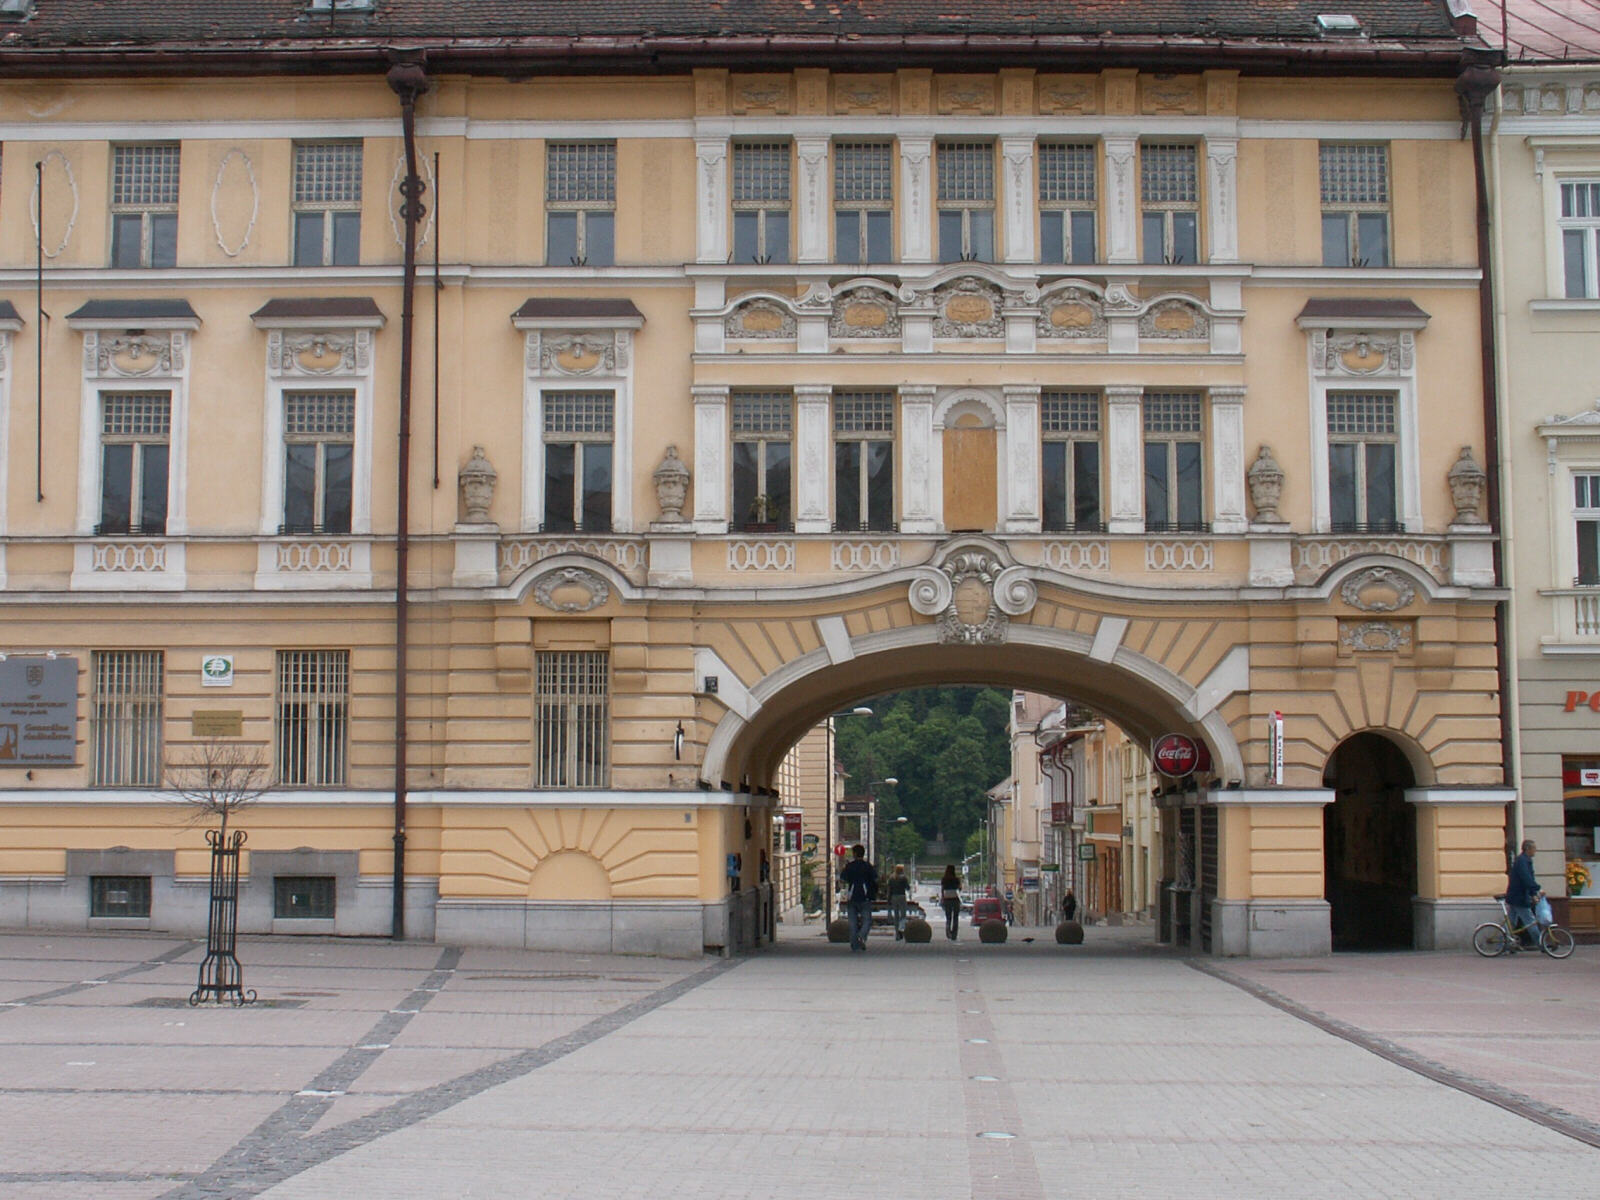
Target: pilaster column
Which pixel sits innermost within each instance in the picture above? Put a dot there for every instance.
(1122, 200)
(812, 200)
(1222, 198)
(1022, 459)
(811, 440)
(1227, 460)
(710, 458)
(711, 199)
(1125, 459)
(1017, 193)
(916, 198)
(921, 473)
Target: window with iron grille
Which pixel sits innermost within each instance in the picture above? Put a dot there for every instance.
(1173, 476)
(1362, 451)
(134, 432)
(863, 198)
(580, 203)
(1070, 461)
(313, 717)
(144, 205)
(966, 201)
(119, 895)
(577, 461)
(304, 897)
(1355, 204)
(571, 705)
(763, 442)
(318, 461)
(1169, 198)
(1068, 198)
(125, 712)
(327, 204)
(761, 202)
(1586, 517)
(1580, 238)
(863, 461)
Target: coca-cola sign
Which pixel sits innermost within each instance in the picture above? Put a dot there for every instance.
(1175, 754)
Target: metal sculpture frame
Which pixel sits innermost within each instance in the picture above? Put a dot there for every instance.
(221, 977)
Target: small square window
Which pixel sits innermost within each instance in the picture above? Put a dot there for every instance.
(119, 895)
(303, 897)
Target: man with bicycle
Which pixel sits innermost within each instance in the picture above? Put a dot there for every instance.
(1522, 892)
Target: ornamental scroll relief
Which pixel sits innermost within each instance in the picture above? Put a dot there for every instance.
(973, 595)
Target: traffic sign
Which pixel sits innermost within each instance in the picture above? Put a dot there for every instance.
(1175, 754)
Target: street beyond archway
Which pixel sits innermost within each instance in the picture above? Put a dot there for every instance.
(1017, 1071)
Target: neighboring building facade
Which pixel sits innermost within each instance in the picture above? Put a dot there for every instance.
(1545, 175)
(1110, 364)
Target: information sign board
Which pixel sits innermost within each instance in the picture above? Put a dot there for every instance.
(39, 711)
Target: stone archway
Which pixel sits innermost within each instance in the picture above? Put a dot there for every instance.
(1370, 844)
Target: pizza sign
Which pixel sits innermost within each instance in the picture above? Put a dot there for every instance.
(1175, 755)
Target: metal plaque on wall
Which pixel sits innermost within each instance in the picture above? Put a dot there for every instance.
(39, 712)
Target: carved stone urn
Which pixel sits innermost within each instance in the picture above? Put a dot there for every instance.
(1265, 477)
(1466, 487)
(672, 486)
(477, 480)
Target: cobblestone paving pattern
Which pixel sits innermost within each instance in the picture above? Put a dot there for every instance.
(1014, 1072)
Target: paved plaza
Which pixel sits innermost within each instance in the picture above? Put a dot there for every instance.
(1020, 1071)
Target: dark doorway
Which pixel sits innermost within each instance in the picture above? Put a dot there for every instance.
(1370, 845)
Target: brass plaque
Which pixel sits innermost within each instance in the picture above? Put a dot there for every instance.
(217, 722)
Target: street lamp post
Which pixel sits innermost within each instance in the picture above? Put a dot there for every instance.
(860, 710)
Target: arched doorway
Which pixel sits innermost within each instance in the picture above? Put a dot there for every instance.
(1370, 845)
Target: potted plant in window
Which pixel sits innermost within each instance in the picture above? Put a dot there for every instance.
(765, 515)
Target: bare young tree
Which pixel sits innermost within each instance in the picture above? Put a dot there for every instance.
(217, 779)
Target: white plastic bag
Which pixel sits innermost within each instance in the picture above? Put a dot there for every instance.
(1542, 913)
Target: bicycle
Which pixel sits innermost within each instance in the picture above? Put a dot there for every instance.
(1494, 938)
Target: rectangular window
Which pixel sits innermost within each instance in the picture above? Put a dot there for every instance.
(761, 202)
(318, 461)
(1362, 462)
(144, 206)
(863, 198)
(125, 718)
(966, 201)
(134, 428)
(1173, 497)
(313, 717)
(577, 461)
(1169, 199)
(580, 204)
(1586, 514)
(1355, 204)
(119, 895)
(327, 204)
(763, 433)
(1067, 202)
(1070, 461)
(1580, 238)
(303, 897)
(571, 706)
(863, 461)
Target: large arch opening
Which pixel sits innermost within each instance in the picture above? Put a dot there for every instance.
(1370, 845)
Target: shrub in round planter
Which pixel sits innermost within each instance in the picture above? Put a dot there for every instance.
(992, 931)
(838, 930)
(918, 930)
(1069, 933)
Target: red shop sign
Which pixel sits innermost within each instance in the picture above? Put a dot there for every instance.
(1175, 755)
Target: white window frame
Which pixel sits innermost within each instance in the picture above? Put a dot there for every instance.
(764, 208)
(582, 206)
(761, 439)
(1557, 161)
(1395, 339)
(860, 208)
(327, 207)
(1587, 227)
(319, 480)
(967, 206)
(1580, 513)
(1167, 208)
(1353, 210)
(144, 209)
(305, 354)
(580, 440)
(1068, 437)
(125, 723)
(1059, 211)
(1170, 524)
(863, 486)
(116, 358)
(567, 708)
(1362, 440)
(331, 662)
(138, 441)
(547, 342)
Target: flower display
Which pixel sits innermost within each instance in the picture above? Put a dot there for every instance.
(1577, 876)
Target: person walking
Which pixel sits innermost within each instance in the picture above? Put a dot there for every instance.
(1069, 906)
(1522, 892)
(899, 892)
(950, 899)
(861, 878)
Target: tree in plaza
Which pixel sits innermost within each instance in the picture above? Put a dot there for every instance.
(218, 779)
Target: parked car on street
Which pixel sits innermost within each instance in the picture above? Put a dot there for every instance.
(987, 908)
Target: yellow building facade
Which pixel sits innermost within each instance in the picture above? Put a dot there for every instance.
(735, 397)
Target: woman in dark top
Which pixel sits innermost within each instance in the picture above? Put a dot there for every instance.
(950, 898)
(899, 890)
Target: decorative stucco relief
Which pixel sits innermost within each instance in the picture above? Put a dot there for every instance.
(1377, 589)
(572, 589)
(864, 312)
(1074, 313)
(760, 318)
(396, 220)
(232, 193)
(1380, 636)
(1176, 320)
(55, 177)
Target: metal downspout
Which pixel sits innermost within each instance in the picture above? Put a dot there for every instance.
(408, 79)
